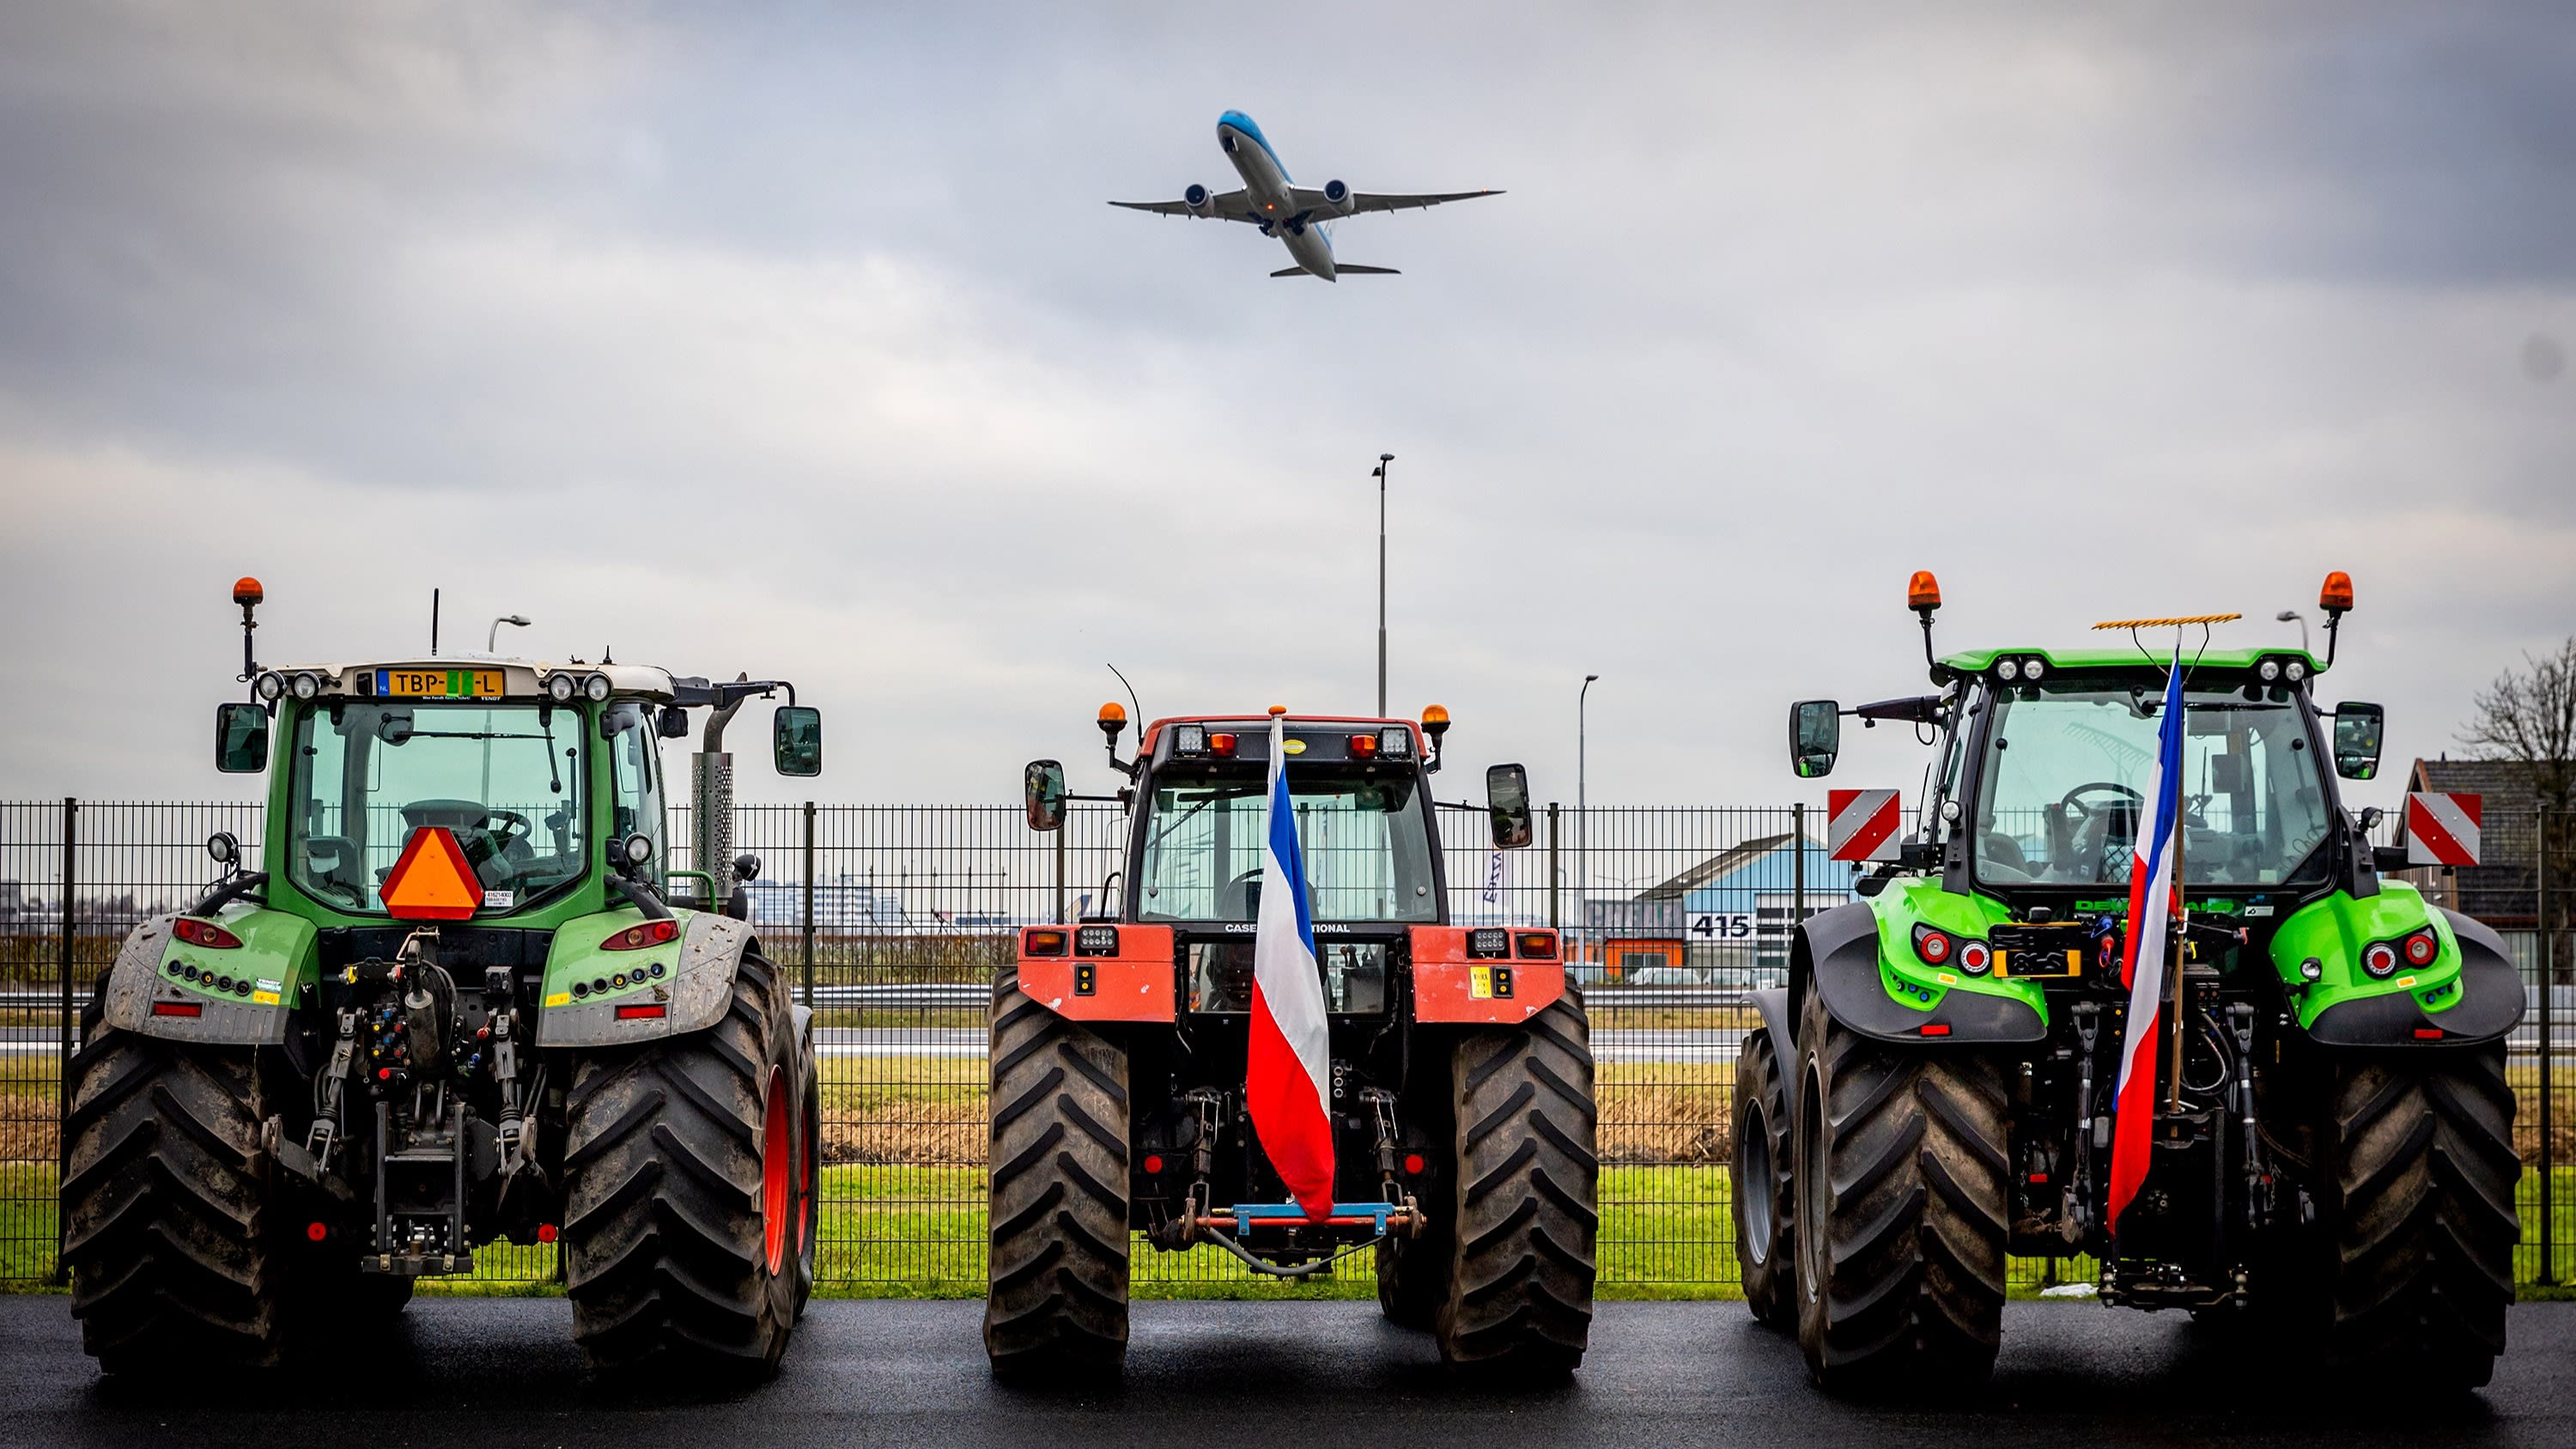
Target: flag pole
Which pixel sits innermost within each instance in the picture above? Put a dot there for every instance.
(2182, 908)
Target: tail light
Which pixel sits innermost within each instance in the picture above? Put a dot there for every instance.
(206, 934)
(1489, 943)
(1096, 941)
(2421, 948)
(177, 1008)
(1974, 958)
(1363, 747)
(638, 938)
(2379, 959)
(1043, 943)
(1538, 945)
(641, 1013)
(1223, 744)
(1934, 946)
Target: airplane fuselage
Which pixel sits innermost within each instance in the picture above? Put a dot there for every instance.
(1267, 187)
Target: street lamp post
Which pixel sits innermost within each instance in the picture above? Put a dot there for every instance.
(1380, 474)
(1582, 792)
(492, 638)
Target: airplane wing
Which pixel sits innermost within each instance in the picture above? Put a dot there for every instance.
(1225, 206)
(1311, 198)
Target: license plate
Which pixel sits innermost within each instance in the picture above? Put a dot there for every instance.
(2027, 964)
(439, 683)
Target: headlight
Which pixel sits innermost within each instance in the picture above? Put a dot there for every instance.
(2270, 669)
(269, 687)
(2296, 671)
(637, 848)
(1189, 739)
(2032, 669)
(595, 688)
(560, 687)
(306, 686)
(2010, 669)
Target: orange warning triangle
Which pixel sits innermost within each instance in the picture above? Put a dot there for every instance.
(432, 882)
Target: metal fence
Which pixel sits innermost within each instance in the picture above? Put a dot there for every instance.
(893, 919)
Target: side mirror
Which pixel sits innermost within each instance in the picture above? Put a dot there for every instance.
(796, 739)
(675, 723)
(1815, 737)
(1043, 782)
(2357, 730)
(1507, 799)
(241, 738)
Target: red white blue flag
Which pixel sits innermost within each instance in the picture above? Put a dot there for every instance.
(1291, 1053)
(2152, 900)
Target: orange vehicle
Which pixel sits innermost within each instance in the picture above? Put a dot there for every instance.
(1461, 1068)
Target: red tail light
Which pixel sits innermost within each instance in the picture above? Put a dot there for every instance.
(638, 938)
(641, 1013)
(1936, 1028)
(2421, 948)
(1538, 945)
(1933, 946)
(1222, 743)
(1363, 747)
(206, 934)
(1043, 943)
(177, 1008)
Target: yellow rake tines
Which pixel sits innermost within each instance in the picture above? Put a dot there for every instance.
(2167, 623)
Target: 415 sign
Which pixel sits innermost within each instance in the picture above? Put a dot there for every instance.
(1724, 926)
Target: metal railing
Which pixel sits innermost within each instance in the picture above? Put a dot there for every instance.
(893, 919)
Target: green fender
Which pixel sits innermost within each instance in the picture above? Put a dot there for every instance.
(1850, 957)
(691, 992)
(2469, 993)
(148, 990)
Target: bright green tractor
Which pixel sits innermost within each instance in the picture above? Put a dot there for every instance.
(458, 1006)
(2332, 1138)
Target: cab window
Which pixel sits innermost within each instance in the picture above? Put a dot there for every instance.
(635, 777)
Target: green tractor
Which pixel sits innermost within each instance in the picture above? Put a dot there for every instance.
(459, 1006)
(2331, 1153)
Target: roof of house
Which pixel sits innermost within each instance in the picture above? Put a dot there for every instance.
(1719, 866)
(2504, 784)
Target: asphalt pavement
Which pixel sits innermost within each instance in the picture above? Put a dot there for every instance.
(503, 1372)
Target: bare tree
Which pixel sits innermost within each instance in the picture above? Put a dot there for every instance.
(2530, 717)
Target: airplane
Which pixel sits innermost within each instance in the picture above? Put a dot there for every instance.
(1296, 215)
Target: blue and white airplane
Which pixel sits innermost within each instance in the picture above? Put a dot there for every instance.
(1297, 215)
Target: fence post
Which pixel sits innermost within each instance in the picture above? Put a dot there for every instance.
(1552, 872)
(63, 1062)
(1061, 918)
(1797, 871)
(809, 905)
(2548, 1050)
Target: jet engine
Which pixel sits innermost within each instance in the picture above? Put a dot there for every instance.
(1337, 195)
(1199, 200)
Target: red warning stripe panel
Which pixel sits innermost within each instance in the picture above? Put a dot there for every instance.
(2442, 828)
(1861, 824)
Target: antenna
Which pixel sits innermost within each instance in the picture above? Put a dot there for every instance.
(433, 623)
(1131, 697)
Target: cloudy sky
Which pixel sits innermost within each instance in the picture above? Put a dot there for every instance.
(796, 339)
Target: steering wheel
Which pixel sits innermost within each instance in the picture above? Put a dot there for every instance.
(2069, 803)
(471, 815)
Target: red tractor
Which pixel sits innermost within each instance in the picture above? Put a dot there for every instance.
(1461, 1102)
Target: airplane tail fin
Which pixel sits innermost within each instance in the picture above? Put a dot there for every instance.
(1342, 268)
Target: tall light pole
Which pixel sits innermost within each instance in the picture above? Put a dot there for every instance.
(1380, 474)
(2288, 616)
(492, 638)
(1582, 792)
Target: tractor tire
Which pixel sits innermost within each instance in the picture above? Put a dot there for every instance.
(174, 1250)
(1764, 1236)
(2423, 1169)
(1901, 1191)
(809, 1176)
(1521, 1274)
(680, 1160)
(1057, 1305)
(1413, 1273)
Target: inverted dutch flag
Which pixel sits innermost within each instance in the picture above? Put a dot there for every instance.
(2151, 910)
(1290, 1050)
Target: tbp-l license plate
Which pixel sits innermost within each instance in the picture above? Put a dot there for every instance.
(439, 683)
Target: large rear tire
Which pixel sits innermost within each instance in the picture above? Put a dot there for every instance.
(1520, 1283)
(1901, 1211)
(679, 1192)
(809, 1174)
(1057, 1304)
(2423, 1168)
(1762, 1200)
(172, 1243)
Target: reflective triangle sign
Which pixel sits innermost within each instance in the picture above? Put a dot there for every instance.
(432, 882)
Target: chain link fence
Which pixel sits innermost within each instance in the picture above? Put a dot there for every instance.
(893, 919)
